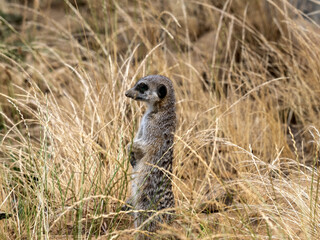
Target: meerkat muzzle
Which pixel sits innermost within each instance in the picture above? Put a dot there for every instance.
(129, 93)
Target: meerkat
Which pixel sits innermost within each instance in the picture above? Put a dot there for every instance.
(151, 152)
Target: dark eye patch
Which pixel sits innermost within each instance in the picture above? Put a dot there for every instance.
(142, 87)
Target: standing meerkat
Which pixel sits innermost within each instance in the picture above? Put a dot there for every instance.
(151, 152)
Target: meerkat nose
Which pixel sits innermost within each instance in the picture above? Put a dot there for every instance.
(127, 94)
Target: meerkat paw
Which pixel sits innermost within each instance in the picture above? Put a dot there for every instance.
(138, 150)
(132, 159)
(127, 206)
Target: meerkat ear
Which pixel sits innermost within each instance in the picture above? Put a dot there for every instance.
(162, 91)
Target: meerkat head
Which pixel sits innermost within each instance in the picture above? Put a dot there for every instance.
(152, 89)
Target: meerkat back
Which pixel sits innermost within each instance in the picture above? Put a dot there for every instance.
(151, 152)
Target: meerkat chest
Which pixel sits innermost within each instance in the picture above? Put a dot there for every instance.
(144, 123)
(145, 129)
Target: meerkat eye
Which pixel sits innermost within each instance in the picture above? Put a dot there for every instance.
(162, 91)
(142, 87)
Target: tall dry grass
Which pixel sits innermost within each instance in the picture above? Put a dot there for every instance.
(246, 75)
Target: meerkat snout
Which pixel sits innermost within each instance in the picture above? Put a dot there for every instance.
(138, 92)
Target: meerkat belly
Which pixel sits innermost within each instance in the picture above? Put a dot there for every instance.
(139, 173)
